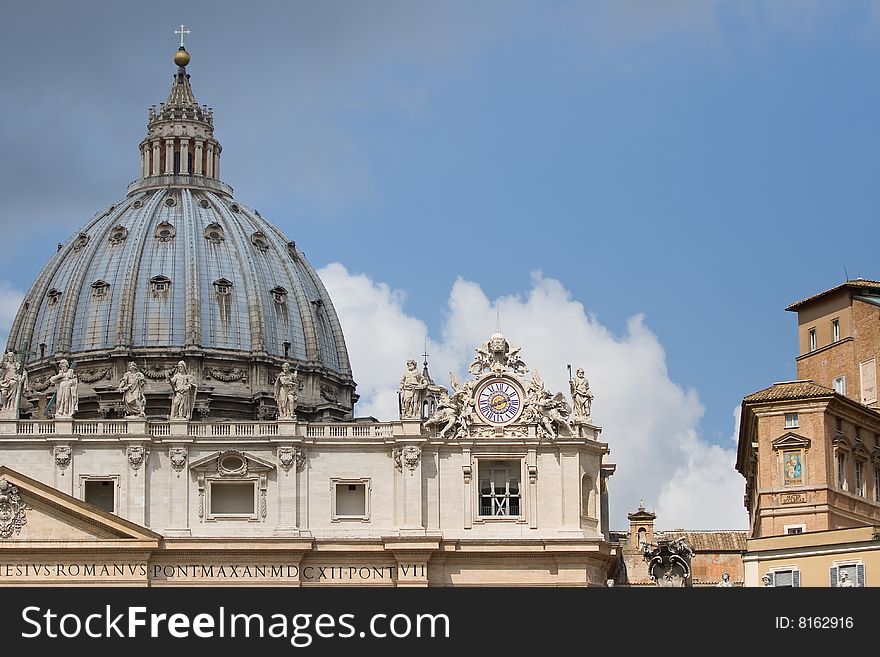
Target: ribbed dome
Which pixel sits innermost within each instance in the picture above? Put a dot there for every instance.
(180, 269)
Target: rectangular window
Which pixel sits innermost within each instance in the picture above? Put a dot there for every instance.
(860, 481)
(350, 499)
(101, 493)
(840, 385)
(847, 574)
(835, 330)
(876, 484)
(794, 529)
(841, 470)
(232, 498)
(868, 377)
(812, 339)
(500, 488)
(791, 420)
(787, 578)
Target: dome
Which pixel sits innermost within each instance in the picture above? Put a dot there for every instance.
(181, 270)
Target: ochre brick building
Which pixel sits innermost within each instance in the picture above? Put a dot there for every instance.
(810, 450)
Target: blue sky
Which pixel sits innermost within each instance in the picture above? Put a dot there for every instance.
(700, 163)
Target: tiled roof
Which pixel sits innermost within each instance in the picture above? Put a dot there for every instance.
(789, 390)
(857, 284)
(701, 541)
(711, 541)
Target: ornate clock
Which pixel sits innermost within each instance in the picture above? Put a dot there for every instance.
(499, 401)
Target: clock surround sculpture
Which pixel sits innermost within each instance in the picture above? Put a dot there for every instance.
(498, 400)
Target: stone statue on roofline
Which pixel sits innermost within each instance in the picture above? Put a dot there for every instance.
(13, 382)
(132, 386)
(66, 391)
(287, 392)
(184, 387)
(412, 391)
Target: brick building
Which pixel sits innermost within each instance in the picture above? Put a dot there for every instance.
(810, 449)
(715, 552)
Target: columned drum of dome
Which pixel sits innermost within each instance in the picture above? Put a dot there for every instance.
(181, 270)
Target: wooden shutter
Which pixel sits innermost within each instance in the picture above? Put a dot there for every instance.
(860, 574)
(833, 575)
(795, 577)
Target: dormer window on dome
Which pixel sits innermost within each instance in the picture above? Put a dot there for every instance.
(81, 240)
(100, 289)
(279, 294)
(214, 233)
(118, 235)
(160, 286)
(54, 296)
(165, 232)
(223, 287)
(260, 241)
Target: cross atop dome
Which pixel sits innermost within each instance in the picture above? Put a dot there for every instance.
(182, 31)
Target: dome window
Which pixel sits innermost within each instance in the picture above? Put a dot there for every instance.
(165, 232)
(137, 204)
(160, 286)
(170, 201)
(100, 289)
(234, 207)
(118, 235)
(204, 204)
(54, 296)
(81, 240)
(279, 294)
(214, 233)
(223, 287)
(260, 241)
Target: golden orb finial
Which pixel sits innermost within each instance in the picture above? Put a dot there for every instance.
(181, 57)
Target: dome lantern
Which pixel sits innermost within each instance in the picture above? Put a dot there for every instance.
(180, 149)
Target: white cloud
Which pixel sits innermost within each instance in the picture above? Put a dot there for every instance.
(10, 301)
(648, 420)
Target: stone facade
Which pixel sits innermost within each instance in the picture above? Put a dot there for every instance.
(167, 478)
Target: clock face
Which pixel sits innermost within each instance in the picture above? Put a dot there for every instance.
(499, 402)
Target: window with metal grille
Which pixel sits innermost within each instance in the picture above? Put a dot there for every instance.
(500, 488)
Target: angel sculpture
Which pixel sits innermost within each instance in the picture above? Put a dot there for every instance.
(515, 361)
(482, 361)
(549, 411)
(452, 410)
(446, 415)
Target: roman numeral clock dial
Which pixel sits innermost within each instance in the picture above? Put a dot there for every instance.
(499, 402)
